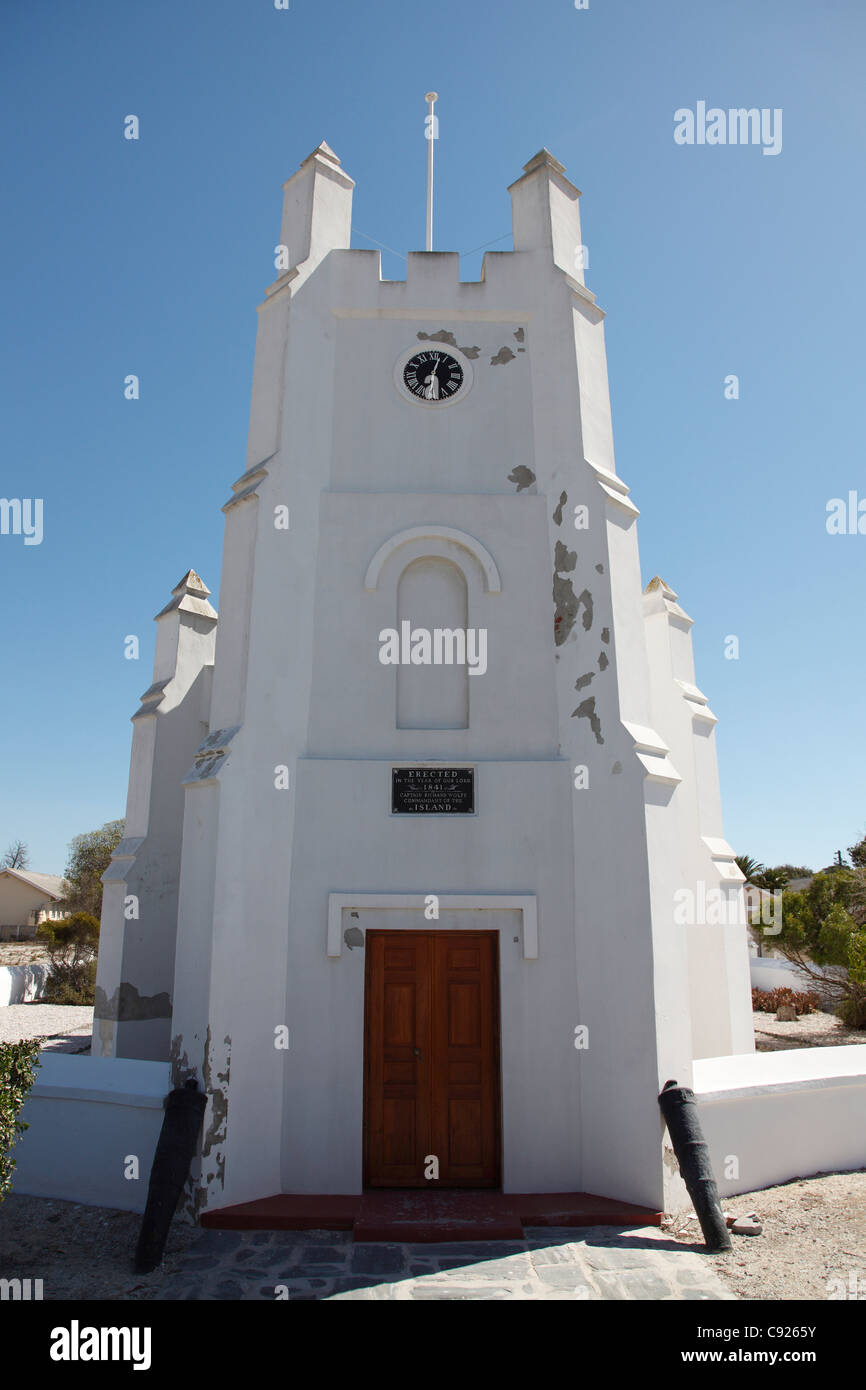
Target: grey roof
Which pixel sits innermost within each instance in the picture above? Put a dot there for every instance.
(50, 884)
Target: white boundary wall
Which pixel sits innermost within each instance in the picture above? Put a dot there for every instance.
(87, 1115)
(783, 1115)
(768, 972)
(19, 984)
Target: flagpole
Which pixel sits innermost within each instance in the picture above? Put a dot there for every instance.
(430, 99)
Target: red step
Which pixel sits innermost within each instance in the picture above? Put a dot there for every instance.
(415, 1216)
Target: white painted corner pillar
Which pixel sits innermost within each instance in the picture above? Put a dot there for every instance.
(546, 213)
(132, 1014)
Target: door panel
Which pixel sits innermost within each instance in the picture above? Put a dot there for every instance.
(432, 1059)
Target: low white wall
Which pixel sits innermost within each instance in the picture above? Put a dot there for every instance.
(769, 973)
(783, 1115)
(21, 983)
(87, 1117)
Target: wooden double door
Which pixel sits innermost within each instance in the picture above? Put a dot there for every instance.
(431, 1072)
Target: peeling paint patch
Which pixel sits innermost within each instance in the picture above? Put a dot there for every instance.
(502, 356)
(583, 681)
(443, 336)
(585, 602)
(522, 476)
(563, 558)
(600, 569)
(557, 515)
(605, 634)
(603, 662)
(519, 334)
(586, 710)
(126, 1005)
(181, 1070)
(617, 767)
(353, 936)
(216, 1130)
(563, 593)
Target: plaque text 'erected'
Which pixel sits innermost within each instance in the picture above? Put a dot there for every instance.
(432, 791)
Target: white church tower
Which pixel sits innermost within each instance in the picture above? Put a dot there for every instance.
(391, 909)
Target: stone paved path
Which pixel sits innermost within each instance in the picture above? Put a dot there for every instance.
(597, 1262)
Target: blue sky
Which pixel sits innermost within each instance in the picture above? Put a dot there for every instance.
(149, 257)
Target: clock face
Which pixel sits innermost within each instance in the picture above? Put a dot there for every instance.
(432, 375)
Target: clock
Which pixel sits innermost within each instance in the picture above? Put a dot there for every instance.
(433, 376)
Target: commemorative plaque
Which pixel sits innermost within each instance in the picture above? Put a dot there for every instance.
(432, 791)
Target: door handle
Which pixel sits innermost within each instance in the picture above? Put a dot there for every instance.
(417, 1053)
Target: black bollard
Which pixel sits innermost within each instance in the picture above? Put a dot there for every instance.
(684, 1126)
(181, 1125)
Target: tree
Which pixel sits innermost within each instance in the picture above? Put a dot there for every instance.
(825, 926)
(774, 880)
(857, 854)
(89, 855)
(17, 856)
(748, 867)
(793, 871)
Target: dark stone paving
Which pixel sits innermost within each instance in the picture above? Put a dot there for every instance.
(597, 1262)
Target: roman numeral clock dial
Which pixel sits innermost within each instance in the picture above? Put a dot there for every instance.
(433, 377)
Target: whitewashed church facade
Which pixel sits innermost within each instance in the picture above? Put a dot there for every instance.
(390, 910)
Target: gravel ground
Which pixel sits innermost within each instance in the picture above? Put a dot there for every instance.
(809, 1030)
(81, 1252)
(814, 1232)
(21, 953)
(65, 1027)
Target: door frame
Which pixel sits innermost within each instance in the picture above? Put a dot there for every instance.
(496, 1043)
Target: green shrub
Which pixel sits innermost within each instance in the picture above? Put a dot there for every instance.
(18, 1063)
(70, 984)
(71, 945)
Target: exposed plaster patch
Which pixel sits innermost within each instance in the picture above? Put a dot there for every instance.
(605, 634)
(443, 336)
(520, 334)
(106, 1037)
(585, 601)
(522, 476)
(216, 1130)
(503, 355)
(603, 662)
(586, 710)
(126, 1005)
(557, 515)
(583, 681)
(563, 593)
(353, 936)
(181, 1071)
(563, 558)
